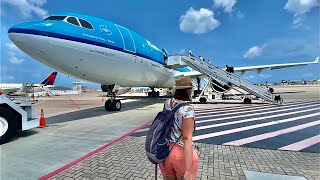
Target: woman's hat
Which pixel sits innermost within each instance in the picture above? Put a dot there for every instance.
(183, 83)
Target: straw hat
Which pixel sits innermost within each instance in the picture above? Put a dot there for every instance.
(183, 83)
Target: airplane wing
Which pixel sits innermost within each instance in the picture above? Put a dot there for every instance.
(196, 74)
(272, 66)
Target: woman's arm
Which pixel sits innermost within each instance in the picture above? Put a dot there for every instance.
(187, 129)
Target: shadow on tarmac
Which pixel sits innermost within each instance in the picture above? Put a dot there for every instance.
(100, 111)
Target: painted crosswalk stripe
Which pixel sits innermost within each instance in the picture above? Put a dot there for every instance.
(246, 120)
(302, 144)
(249, 114)
(254, 119)
(230, 131)
(260, 137)
(246, 106)
(246, 110)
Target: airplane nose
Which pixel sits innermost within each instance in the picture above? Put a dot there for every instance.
(26, 37)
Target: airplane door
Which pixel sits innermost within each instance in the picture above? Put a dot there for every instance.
(127, 38)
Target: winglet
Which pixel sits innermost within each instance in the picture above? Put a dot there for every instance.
(316, 60)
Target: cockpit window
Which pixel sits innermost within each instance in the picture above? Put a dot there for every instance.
(73, 20)
(85, 24)
(57, 18)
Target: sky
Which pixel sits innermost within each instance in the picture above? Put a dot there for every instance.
(233, 32)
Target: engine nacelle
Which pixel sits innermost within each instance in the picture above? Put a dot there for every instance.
(219, 88)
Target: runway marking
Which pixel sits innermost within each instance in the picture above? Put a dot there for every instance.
(74, 103)
(251, 110)
(253, 119)
(302, 144)
(227, 108)
(246, 106)
(260, 137)
(230, 131)
(248, 115)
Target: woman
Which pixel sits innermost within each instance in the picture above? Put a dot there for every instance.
(183, 158)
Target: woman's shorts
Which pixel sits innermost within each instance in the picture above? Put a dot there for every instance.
(175, 163)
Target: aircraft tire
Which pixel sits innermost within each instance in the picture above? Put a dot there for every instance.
(107, 105)
(116, 105)
(203, 101)
(9, 124)
(247, 101)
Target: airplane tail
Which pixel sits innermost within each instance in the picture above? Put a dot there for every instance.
(50, 79)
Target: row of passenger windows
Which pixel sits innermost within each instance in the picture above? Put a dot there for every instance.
(71, 20)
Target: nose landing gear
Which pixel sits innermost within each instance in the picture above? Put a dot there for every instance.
(111, 104)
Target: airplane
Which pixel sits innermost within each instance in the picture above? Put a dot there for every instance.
(100, 51)
(48, 82)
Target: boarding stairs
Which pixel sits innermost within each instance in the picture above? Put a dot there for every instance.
(48, 91)
(220, 75)
(26, 88)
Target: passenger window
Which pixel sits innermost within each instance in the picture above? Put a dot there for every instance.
(85, 24)
(73, 20)
(57, 18)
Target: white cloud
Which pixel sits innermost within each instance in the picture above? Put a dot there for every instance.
(226, 4)
(198, 21)
(27, 8)
(250, 77)
(265, 76)
(253, 52)
(182, 51)
(14, 54)
(300, 7)
(240, 15)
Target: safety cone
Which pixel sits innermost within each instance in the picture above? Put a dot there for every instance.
(42, 123)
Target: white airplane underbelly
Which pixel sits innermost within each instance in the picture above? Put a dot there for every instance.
(94, 63)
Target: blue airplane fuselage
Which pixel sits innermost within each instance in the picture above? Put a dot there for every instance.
(94, 49)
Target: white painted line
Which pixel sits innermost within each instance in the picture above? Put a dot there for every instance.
(251, 110)
(249, 114)
(253, 119)
(230, 131)
(246, 106)
(302, 144)
(260, 137)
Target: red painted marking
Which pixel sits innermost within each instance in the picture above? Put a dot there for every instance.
(67, 166)
(74, 103)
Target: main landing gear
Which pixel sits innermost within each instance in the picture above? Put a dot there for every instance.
(153, 93)
(111, 104)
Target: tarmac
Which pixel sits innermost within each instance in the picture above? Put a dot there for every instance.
(83, 141)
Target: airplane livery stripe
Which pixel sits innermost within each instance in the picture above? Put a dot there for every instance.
(205, 136)
(76, 39)
(271, 134)
(302, 144)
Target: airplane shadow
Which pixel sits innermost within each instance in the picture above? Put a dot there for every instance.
(100, 111)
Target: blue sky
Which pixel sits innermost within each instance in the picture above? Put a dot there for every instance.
(233, 32)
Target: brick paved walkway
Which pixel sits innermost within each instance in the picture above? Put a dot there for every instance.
(126, 160)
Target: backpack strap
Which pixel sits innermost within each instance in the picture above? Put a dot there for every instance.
(174, 110)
